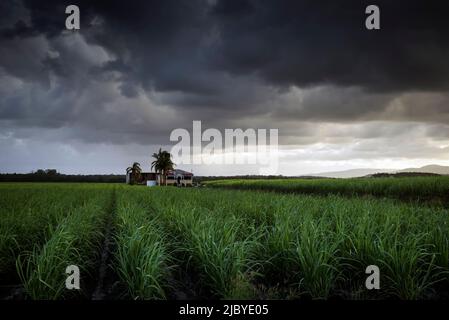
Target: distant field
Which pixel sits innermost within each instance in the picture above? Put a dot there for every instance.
(178, 243)
(408, 188)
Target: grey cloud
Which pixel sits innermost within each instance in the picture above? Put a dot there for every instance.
(306, 43)
(139, 69)
(198, 51)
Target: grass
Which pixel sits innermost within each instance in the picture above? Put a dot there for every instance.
(29, 213)
(313, 246)
(416, 188)
(74, 241)
(218, 252)
(215, 246)
(234, 244)
(142, 259)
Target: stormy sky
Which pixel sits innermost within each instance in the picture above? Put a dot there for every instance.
(97, 99)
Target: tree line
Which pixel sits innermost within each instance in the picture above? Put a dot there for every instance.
(51, 175)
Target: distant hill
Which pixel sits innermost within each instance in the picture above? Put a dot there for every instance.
(355, 173)
(444, 170)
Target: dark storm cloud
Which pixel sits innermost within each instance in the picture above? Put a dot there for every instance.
(308, 43)
(177, 45)
(158, 43)
(138, 69)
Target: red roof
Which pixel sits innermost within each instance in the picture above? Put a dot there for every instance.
(179, 172)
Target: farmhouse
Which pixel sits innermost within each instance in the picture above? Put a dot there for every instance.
(175, 177)
(179, 178)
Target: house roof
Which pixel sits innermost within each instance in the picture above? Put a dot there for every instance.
(143, 173)
(170, 172)
(179, 172)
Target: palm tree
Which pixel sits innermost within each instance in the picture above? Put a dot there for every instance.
(162, 164)
(135, 171)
